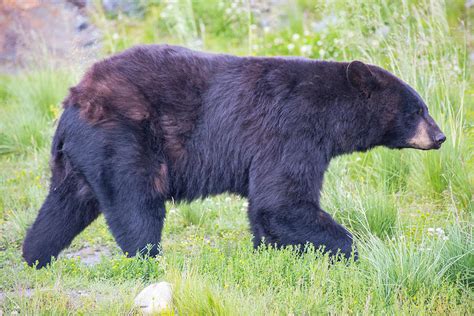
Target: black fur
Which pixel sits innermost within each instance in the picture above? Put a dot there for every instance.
(160, 122)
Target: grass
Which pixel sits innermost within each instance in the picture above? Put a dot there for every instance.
(412, 212)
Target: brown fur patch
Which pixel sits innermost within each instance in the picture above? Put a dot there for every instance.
(104, 94)
(324, 217)
(173, 133)
(160, 181)
(421, 139)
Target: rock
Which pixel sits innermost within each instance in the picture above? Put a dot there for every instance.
(155, 298)
(127, 7)
(31, 28)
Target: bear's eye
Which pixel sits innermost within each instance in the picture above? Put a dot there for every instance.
(420, 111)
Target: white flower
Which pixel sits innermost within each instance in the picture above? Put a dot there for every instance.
(115, 36)
(278, 41)
(431, 230)
(306, 49)
(291, 46)
(295, 37)
(382, 31)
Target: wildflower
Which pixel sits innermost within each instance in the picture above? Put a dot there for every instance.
(278, 41)
(439, 231)
(306, 49)
(291, 46)
(295, 37)
(382, 31)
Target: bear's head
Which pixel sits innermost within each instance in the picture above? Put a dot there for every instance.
(398, 115)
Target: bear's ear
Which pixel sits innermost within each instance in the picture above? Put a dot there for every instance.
(360, 77)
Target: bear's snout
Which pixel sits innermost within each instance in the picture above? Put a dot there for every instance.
(427, 135)
(439, 139)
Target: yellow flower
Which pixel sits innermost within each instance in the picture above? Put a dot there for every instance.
(54, 109)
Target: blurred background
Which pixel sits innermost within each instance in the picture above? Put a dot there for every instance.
(84, 29)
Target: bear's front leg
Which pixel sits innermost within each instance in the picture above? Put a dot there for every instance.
(299, 223)
(284, 206)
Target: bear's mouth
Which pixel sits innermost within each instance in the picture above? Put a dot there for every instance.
(431, 147)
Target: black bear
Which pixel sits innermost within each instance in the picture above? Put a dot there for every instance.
(159, 122)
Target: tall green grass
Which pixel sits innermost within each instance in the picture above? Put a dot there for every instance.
(30, 105)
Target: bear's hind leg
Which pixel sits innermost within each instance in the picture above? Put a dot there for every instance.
(69, 208)
(132, 207)
(129, 175)
(133, 200)
(136, 221)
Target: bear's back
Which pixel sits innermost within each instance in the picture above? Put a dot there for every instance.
(144, 80)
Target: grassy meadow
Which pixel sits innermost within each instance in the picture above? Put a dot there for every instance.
(412, 211)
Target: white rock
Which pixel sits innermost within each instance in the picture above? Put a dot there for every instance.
(155, 298)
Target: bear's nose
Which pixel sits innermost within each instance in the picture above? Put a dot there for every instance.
(440, 138)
